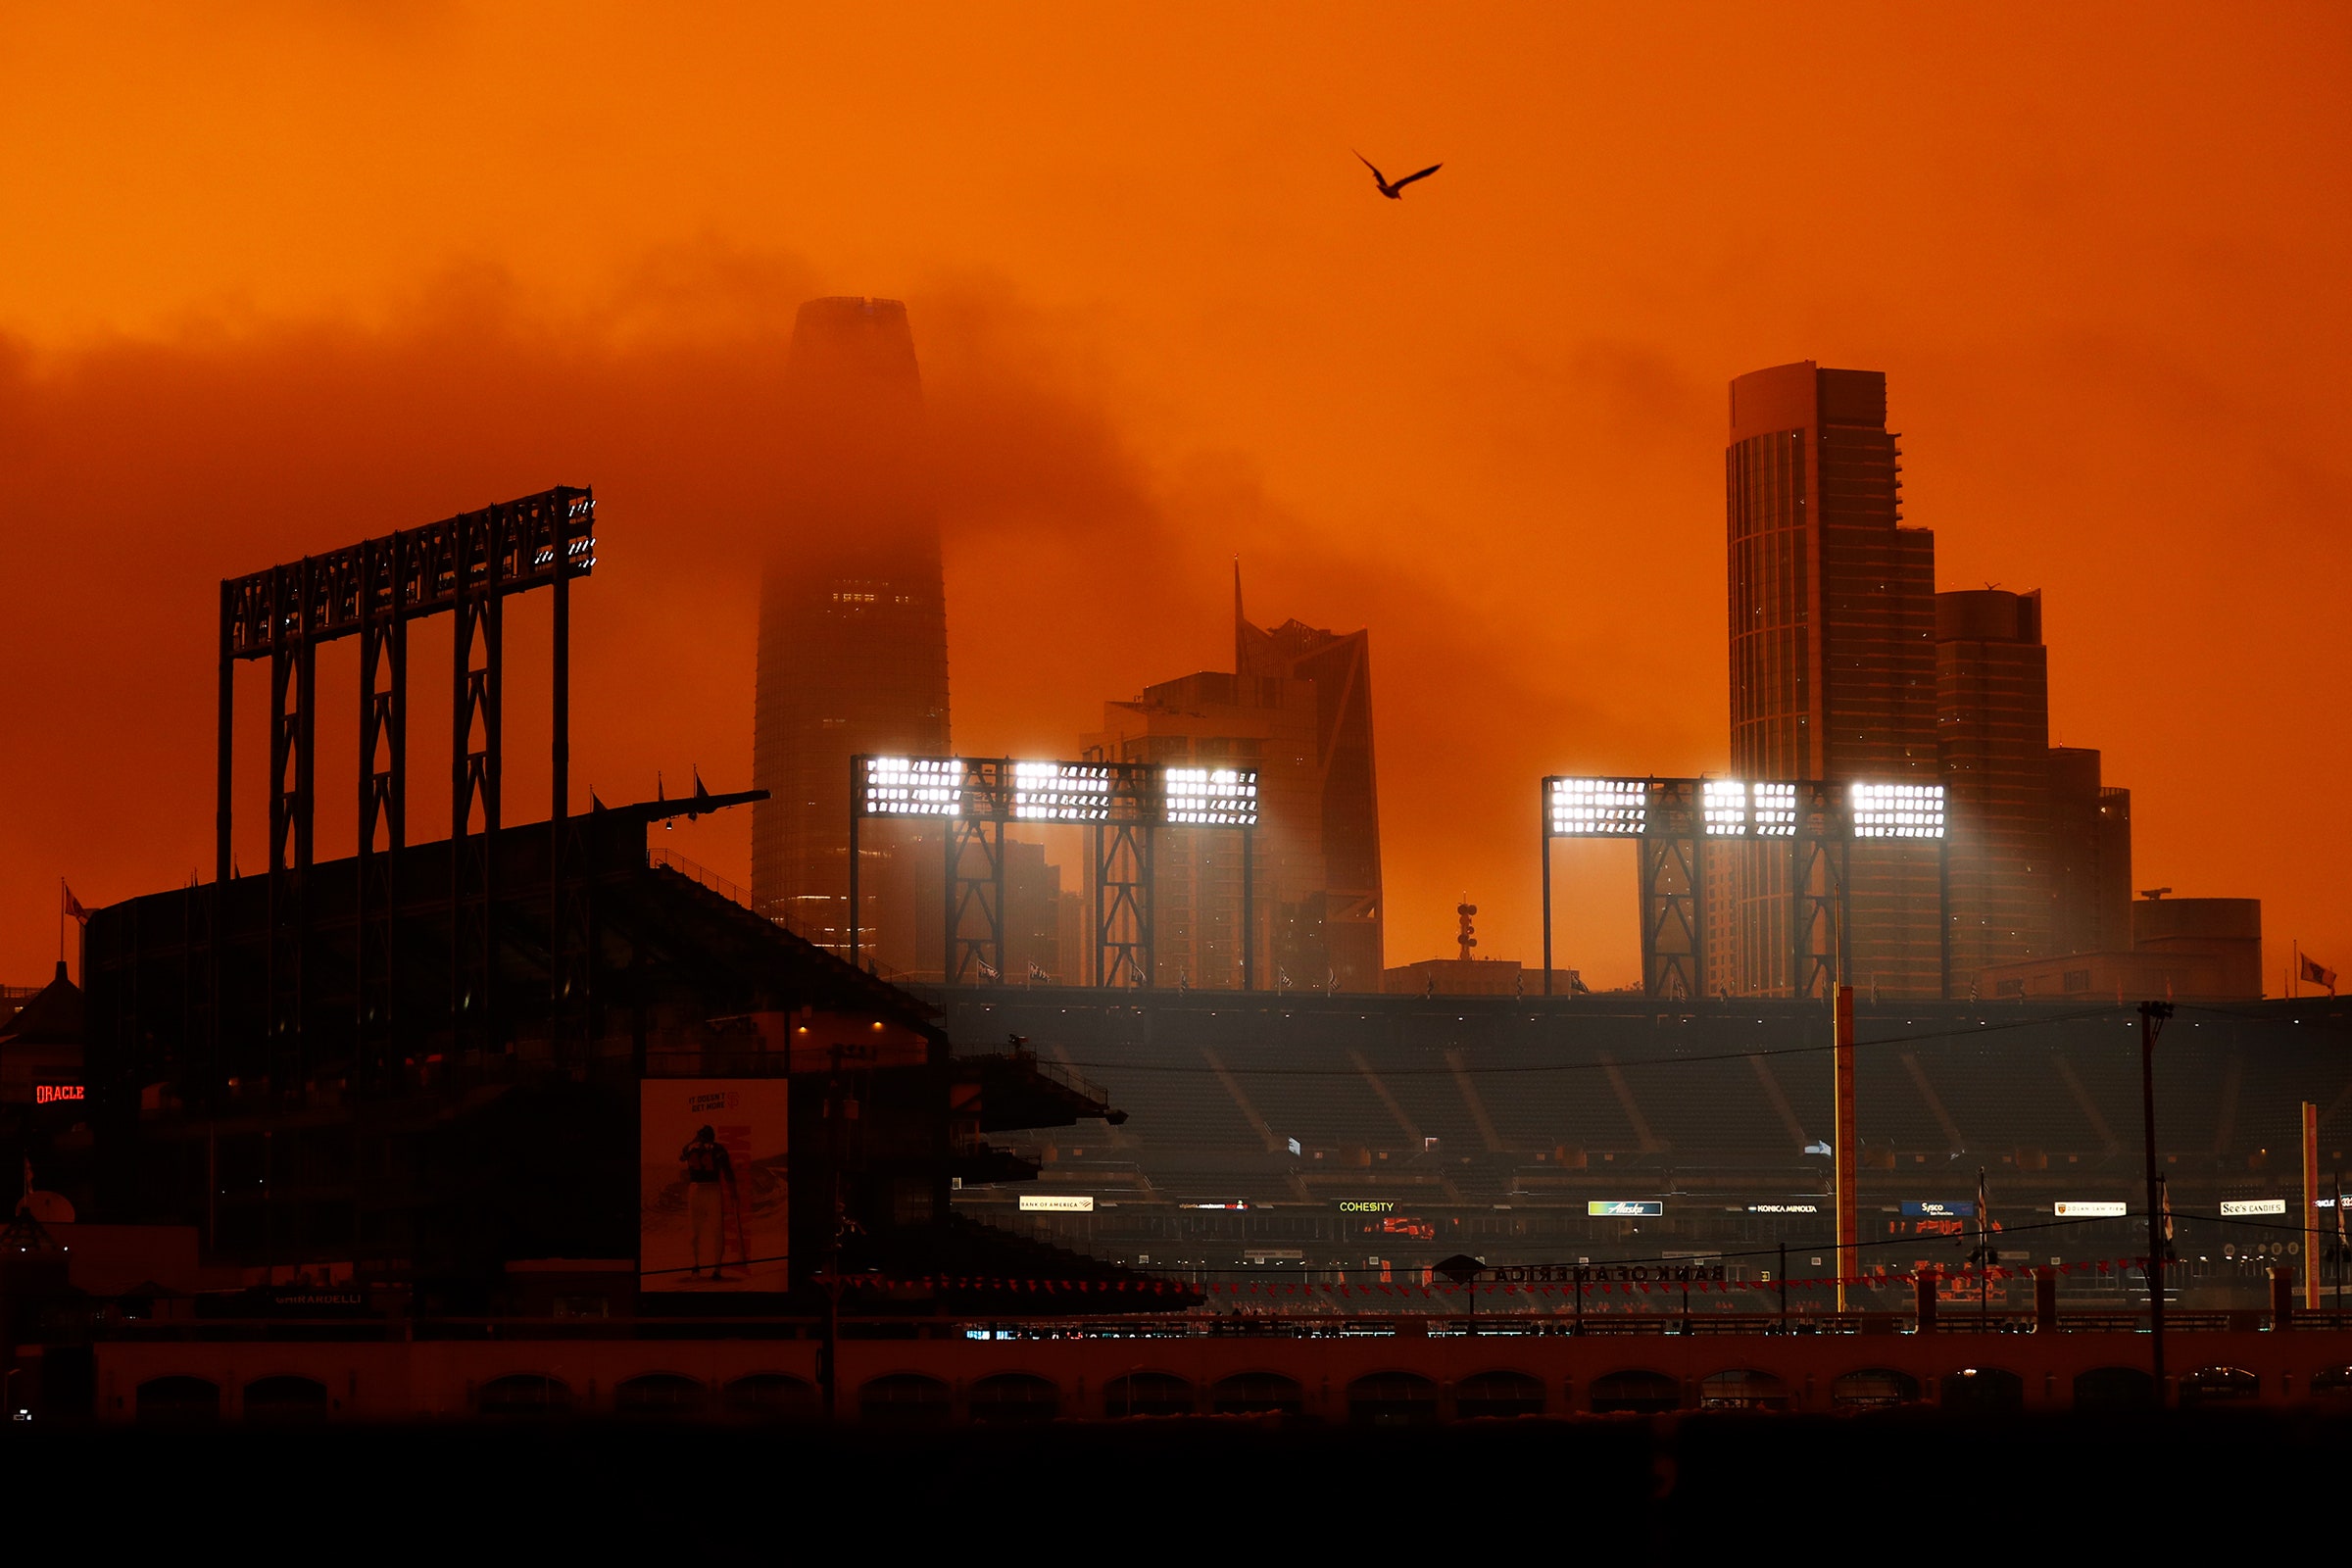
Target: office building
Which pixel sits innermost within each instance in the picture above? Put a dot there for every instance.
(853, 621)
(1832, 668)
(2090, 855)
(1213, 720)
(1992, 730)
(1347, 908)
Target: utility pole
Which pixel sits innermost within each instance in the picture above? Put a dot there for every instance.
(2152, 1015)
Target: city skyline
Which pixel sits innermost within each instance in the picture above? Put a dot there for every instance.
(1485, 467)
(913, 736)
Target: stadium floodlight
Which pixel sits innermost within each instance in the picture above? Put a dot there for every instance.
(1724, 808)
(1599, 808)
(1060, 792)
(1202, 797)
(921, 786)
(1771, 811)
(1898, 810)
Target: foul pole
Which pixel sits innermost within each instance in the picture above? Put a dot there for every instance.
(1844, 1153)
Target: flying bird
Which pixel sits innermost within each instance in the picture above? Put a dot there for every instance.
(1393, 192)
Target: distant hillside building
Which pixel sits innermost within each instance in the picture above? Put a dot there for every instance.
(853, 621)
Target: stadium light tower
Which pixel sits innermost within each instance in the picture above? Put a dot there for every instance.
(1671, 822)
(975, 798)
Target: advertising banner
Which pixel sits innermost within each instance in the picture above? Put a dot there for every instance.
(713, 1191)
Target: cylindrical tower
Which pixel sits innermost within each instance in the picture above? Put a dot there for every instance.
(852, 613)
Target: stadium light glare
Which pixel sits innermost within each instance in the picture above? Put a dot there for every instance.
(1898, 810)
(923, 786)
(1722, 805)
(1060, 792)
(1771, 811)
(1600, 807)
(1202, 797)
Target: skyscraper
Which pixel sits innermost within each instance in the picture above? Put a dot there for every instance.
(1347, 909)
(1213, 720)
(2090, 857)
(1832, 664)
(1993, 722)
(852, 613)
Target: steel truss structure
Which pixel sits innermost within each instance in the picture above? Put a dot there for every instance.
(1673, 822)
(1122, 806)
(465, 566)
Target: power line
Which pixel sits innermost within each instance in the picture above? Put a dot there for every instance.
(1475, 1069)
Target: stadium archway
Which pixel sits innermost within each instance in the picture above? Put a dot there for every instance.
(1982, 1388)
(1014, 1398)
(2220, 1385)
(1147, 1394)
(1497, 1394)
(1874, 1387)
(1742, 1388)
(1393, 1399)
(1635, 1392)
(661, 1395)
(903, 1399)
(522, 1396)
(289, 1399)
(1257, 1394)
(770, 1397)
(2115, 1388)
(179, 1401)
(2334, 1384)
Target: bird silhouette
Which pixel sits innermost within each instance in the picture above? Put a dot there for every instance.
(1393, 192)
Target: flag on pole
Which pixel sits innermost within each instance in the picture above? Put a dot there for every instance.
(2317, 973)
(75, 911)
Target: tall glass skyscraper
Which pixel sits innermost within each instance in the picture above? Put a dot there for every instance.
(1833, 666)
(852, 613)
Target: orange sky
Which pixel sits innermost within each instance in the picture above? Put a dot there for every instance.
(273, 278)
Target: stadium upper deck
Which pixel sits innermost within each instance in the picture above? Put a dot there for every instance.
(1499, 1119)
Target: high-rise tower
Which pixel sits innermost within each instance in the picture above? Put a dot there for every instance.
(1993, 730)
(852, 614)
(1346, 912)
(1833, 663)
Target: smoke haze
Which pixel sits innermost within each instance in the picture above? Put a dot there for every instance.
(276, 277)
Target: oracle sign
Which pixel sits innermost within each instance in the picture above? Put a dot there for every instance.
(51, 1094)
